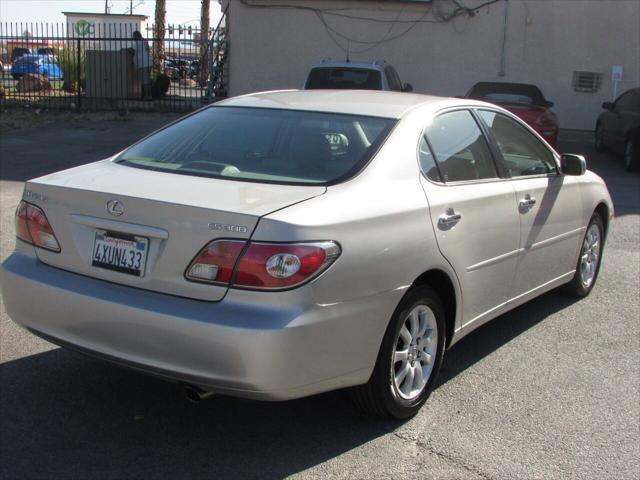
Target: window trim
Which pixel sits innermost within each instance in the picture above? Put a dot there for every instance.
(469, 108)
(523, 124)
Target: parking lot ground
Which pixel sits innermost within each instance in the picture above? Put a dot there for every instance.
(549, 390)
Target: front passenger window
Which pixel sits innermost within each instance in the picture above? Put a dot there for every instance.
(523, 153)
(460, 148)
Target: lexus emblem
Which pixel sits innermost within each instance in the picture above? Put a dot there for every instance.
(115, 207)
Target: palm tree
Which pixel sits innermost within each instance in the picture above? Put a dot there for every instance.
(204, 43)
(158, 41)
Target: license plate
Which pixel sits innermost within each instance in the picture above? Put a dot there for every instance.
(120, 252)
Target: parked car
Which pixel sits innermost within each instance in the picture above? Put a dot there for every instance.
(18, 52)
(618, 128)
(525, 101)
(177, 68)
(45, 65)
(46, 51)
(378, 75)
(279, 245)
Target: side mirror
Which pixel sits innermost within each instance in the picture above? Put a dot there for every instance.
(608, 105)
(549, 104)
(573, 164)
(407, 87)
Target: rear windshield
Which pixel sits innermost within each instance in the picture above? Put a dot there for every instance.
(263, 145)
(344, 79)
(508, 93)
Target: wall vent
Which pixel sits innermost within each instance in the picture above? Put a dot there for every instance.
(588, 82)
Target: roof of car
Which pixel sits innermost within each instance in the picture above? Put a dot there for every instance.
(370, 103)
(377, 65)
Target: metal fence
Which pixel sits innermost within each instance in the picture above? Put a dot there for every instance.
(111, 66)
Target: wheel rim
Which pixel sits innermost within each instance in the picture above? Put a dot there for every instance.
(415, 352)
(590, 256)
(628, 153)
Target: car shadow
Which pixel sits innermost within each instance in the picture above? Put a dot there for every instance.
(65, 415)
(500, 331)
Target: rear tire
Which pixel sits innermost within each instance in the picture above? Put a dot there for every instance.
(632, 154)
(589, 260)
(416, 353)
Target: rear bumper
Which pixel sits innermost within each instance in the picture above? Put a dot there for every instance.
(256, 345)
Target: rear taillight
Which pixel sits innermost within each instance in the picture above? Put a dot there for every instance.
(265, 266)
(547, 119)
(282, 265)
(215, 262)
(33, 227)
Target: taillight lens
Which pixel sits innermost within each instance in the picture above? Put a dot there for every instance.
(547, 119)
(277, 265)
(33, 227)
(267, 266)
(215, 262)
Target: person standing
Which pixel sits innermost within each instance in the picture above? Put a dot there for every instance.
(142, 64)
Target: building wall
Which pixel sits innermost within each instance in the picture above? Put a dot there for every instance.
(546, 40)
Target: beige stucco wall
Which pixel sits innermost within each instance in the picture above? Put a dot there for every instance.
(546, 41)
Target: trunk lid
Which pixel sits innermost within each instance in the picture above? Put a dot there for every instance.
(178, 214)
(528, 113)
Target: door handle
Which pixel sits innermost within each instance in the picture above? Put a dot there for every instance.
(527, 201)
(450, 218)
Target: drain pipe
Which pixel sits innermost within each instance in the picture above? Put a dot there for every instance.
(503, 56)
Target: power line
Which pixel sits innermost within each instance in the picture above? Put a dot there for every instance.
(434, 9)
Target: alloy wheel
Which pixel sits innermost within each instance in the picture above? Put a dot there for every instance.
(590, 256)
(415, 352)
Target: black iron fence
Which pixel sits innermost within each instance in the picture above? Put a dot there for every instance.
(101, 66)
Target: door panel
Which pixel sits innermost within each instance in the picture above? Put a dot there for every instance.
(473, 212)
(624, 108)
(549, 204)
(551, 229)
(482, 246)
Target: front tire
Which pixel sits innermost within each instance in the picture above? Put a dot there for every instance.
(599, 141)
(589, 260)
(409, 359)
(632, 154)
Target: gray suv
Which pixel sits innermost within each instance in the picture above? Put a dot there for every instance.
(378, 75)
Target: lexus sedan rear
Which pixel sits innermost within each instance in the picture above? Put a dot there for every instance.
(283, 244)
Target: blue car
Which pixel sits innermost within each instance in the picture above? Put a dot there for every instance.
(45, 65)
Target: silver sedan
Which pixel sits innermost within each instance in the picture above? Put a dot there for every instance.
(284, 244)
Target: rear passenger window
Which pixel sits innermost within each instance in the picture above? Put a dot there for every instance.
(460, 148)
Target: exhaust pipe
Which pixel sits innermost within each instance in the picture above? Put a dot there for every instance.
(196, 394)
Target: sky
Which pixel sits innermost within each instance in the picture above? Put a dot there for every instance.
(178, 11)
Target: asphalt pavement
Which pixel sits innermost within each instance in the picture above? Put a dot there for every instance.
(549, 390)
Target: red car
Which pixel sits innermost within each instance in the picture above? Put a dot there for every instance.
(525, 101)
